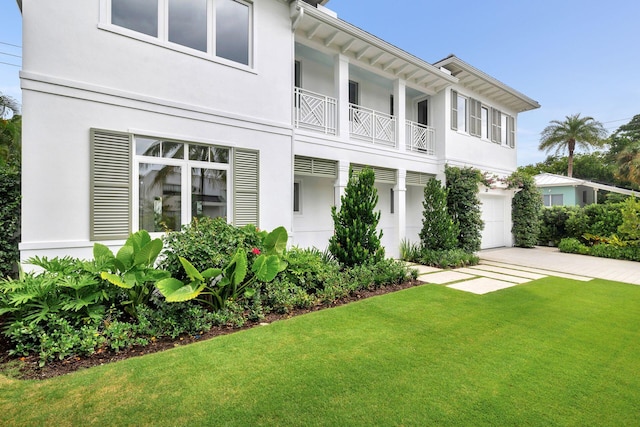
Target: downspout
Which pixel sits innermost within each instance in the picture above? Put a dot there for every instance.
(297, 13)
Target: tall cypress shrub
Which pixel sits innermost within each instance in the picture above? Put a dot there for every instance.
(464, 205)
(9, 220)
(439, 232)
(526, 207)
(356, 239)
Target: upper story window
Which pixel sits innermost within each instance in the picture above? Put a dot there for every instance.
(470, 115)
(220, 28)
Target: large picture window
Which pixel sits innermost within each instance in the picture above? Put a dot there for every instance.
(220, 28)
(178, 181)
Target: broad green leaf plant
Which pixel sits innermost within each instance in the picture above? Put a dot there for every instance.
(215, 286)
(132, 268)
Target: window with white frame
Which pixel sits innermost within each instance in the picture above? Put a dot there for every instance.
(458, 111)
(179, 181)
(553, 200)
(297, 193)
(484, 133)
(217, 28)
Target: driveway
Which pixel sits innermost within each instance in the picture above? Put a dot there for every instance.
(551, 259)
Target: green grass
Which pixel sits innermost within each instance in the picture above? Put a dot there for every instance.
(551, 352)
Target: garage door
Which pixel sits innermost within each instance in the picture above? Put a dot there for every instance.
(496, 231)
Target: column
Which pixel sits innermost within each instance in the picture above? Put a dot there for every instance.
(341, 84)
(400, 191)
(399, 108)
(341, 182)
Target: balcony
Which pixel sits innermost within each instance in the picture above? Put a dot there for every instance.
(421, 138)
(315, 111)
(372, 126)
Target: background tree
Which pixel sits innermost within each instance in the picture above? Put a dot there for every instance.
(356, 239)
(573, 132)
(464, 206)
(526, 206)
(8, 106)
(439, 232)
(10, 141)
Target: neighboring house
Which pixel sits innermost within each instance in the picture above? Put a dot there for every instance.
(559, 190)
(143, 114)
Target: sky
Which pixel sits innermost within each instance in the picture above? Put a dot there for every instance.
(572, 56)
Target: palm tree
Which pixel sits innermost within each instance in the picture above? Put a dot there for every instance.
(585, 132)
(8, 106)
(629, 164)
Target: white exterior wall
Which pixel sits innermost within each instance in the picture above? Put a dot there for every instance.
(313, 225)
(94, 78)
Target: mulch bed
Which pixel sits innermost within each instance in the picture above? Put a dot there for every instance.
(29, 368)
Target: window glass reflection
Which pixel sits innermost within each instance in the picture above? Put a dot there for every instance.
(188, 23)
(136, 15)
(232, 31)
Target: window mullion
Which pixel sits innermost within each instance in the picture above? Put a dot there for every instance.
(163, 20)
(186, 194)
(211, 33)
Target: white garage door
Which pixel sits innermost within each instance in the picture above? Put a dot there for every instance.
(494, 214)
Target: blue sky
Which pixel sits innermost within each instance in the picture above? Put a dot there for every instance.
(572, 56)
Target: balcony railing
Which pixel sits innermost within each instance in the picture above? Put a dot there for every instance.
(421, 138)
(315, 111)
(372, 126)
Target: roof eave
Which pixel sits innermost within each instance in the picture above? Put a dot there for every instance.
(520, 101)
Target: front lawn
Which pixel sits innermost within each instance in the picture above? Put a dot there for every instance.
(551, 352)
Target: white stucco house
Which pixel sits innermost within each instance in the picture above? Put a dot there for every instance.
(145, 113)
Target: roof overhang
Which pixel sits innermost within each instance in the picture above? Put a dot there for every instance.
(482, 83)
(320, 30)
(19, 4)
(548, 180)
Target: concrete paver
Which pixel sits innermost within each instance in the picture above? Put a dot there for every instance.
(445, 277)
(551, 259)
(481, 285)
(539, 271)
(510, 271)
(492, 275)
(424, 269)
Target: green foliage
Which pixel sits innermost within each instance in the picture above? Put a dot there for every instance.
(553, 227)
(573, 246)
(308, 268)
(439, 232)
(207, 243)
(9, 220)
(453, 258)
(132, 268)
(526, 206)
(603, 248)
(222, 284)
(283, 295)
(410, 251)
(464, 206)
(630, 227)
(356, 239)
(10, 142)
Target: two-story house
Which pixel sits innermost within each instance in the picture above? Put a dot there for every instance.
(141, 114)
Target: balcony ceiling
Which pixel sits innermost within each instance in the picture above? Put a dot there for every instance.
(320, 30)
(483, 84)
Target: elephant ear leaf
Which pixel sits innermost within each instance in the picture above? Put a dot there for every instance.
(148, 253)
(276, 242)
(102, 252)
(236, 271)
(192, 272)
(116, 280)
(266, 267)
(176, 291)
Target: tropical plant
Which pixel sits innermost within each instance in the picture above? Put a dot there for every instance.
(207, 242)
(525, 210)
(464, 206)
(439, 232)
(573, 132)
(232, 281)
(10, 141)
(132, 268)
(630, 227)
(356, 239)
(9, 221)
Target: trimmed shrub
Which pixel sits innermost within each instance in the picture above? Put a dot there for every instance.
(553, 227)
(453, 258)
(630, 212)
(573, 246)
(439, 232)
(9, 221)
(525, 210)
(464, 206)
(356, 239)
(206, 243)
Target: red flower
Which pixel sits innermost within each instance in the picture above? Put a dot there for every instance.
(256, 251)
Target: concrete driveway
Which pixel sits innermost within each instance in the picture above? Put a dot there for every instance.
(551, 259)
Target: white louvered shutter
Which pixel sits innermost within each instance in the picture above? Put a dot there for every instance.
(110, 210)
(246, 181)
